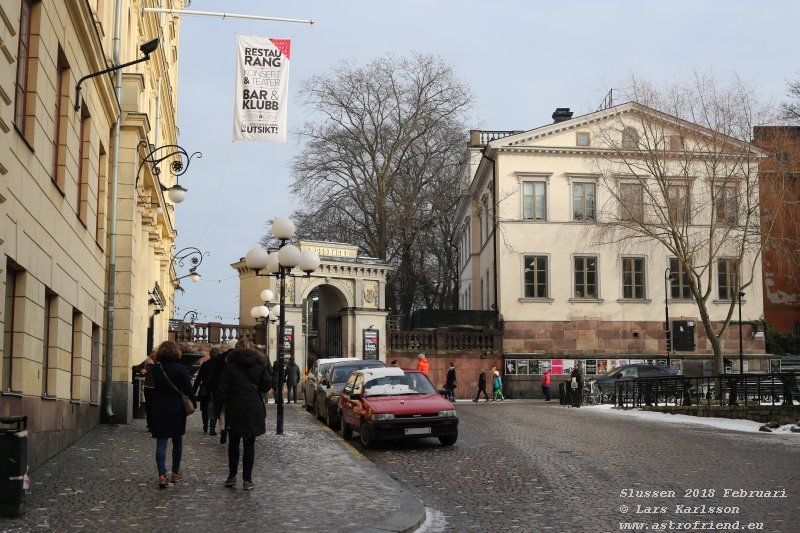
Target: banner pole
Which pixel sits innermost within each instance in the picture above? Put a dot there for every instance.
(221, 15)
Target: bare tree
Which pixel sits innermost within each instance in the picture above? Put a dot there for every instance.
(679, 172)
(791, 109)
(378, 165)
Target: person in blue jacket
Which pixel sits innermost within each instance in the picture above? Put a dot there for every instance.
(168, 420)
(497, 385)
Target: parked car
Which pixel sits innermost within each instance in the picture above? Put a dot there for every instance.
(326, 396)
(605, 383)
(309, 384)
(395, 404)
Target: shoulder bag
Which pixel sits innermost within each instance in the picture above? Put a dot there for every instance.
(188, 406)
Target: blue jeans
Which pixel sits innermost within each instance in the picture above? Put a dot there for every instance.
(161, 454)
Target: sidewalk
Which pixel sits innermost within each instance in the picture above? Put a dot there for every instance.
(306, 479)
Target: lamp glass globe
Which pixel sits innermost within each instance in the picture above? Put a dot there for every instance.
(267, 295)
(309, 261)
(194, 276)
(289, 256)
(263, 311)
(275, 312)
(177, 193)
(255, 312)
(273, 264)
(283, 228)
(256, 258)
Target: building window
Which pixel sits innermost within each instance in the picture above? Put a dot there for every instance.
(535, 276)
(23, 59)
(678, 203)
(94, 393)
(630, 138)
(83, 165)
(784, 158)
(633, 282)
(679, 284)
(583, 201)
(534, 200)
(13, 278)
(50, 319)
(100, 220)
(585, 277)
(728, 278)
(60, 121)
(726, 204)
(485, 209)
(675, 143)
(631, 197)
(75, 360)
(582, 138)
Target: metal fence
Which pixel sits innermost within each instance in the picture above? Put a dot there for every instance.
(727, 389)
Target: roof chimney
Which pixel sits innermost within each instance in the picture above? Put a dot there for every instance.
(561, 114)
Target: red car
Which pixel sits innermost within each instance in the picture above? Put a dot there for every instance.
(395, 404)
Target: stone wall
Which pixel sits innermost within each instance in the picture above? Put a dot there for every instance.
(757, 413)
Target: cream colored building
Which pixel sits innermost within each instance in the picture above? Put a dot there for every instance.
(543, 241)
(333, 312)
(56, 202)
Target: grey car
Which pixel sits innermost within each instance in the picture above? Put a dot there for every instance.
(315, 373)
(326, 405)
(605, 383)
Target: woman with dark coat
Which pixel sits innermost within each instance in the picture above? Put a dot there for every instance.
(168, 416)
(244, 383)
(451, 383)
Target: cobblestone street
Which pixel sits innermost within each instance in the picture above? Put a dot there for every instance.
(536, 466)
(107, 482)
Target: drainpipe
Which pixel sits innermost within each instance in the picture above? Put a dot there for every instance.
(112, 247)
(494, 227)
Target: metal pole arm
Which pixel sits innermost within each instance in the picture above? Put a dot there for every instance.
(105, 71)
(222, 15)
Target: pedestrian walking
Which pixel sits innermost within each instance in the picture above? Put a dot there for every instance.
(423, 365)
(497, 384)
(546, 385)
(204, 392)
(292, 379)
(212, 385)
(148, 384)
(244, 383)
(451, 383)
(277, 388)
(576, 385)
(168, 415)
(481, 386)
(393, 363)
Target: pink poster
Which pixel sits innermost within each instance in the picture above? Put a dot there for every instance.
(557, 366)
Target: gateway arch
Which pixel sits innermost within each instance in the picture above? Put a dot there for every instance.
(339, 311)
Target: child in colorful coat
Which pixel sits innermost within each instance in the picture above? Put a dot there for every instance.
(497, 384)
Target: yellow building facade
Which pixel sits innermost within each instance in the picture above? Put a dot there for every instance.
(63, 223)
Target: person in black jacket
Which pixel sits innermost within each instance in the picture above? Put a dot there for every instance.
(244, 383)
(168, 416)
(292, 379)
(451, 383)
(203, 392)
(481, 386)
(212, 385)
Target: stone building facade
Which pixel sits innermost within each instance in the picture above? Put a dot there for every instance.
(57, 170)
(545, 240)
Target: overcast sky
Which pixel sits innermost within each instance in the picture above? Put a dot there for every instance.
(522, 59)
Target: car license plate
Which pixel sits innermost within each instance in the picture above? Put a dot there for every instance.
(418, 431)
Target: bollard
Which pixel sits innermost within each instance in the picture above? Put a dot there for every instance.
(13, 465)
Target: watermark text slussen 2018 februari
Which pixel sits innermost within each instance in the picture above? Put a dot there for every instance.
(732, 507)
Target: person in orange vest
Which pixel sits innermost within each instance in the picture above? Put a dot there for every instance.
(423, 365)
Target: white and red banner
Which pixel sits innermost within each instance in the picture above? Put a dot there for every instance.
(262, 89)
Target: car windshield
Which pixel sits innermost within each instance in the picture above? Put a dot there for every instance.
(398, 385)
(341, 373)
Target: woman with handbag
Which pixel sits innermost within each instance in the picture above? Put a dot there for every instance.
(244, 383)
(173, 401)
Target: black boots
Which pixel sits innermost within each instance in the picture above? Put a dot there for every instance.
(213, 428)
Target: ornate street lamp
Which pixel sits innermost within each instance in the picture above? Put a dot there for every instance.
(177, 167)
(280, 264)
(194, 257)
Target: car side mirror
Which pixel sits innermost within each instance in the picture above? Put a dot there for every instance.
(355, 396)
(618, 376)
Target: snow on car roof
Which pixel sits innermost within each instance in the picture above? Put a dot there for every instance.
(381, 372)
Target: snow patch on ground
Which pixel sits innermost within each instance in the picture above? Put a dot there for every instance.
(746, 426)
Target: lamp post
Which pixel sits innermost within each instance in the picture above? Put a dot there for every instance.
(181, 159)
(667, 277)
(741, 344)
(280, 264)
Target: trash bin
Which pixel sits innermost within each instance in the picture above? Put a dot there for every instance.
(13, 464)
(562, 393)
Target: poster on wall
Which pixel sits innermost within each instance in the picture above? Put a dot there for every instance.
(591, 366)
(602, 366)
(544, 366)
(555, 367)
(566, 366)
(522, 366)
(371, 344)
(262, 89)
(511, 366)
